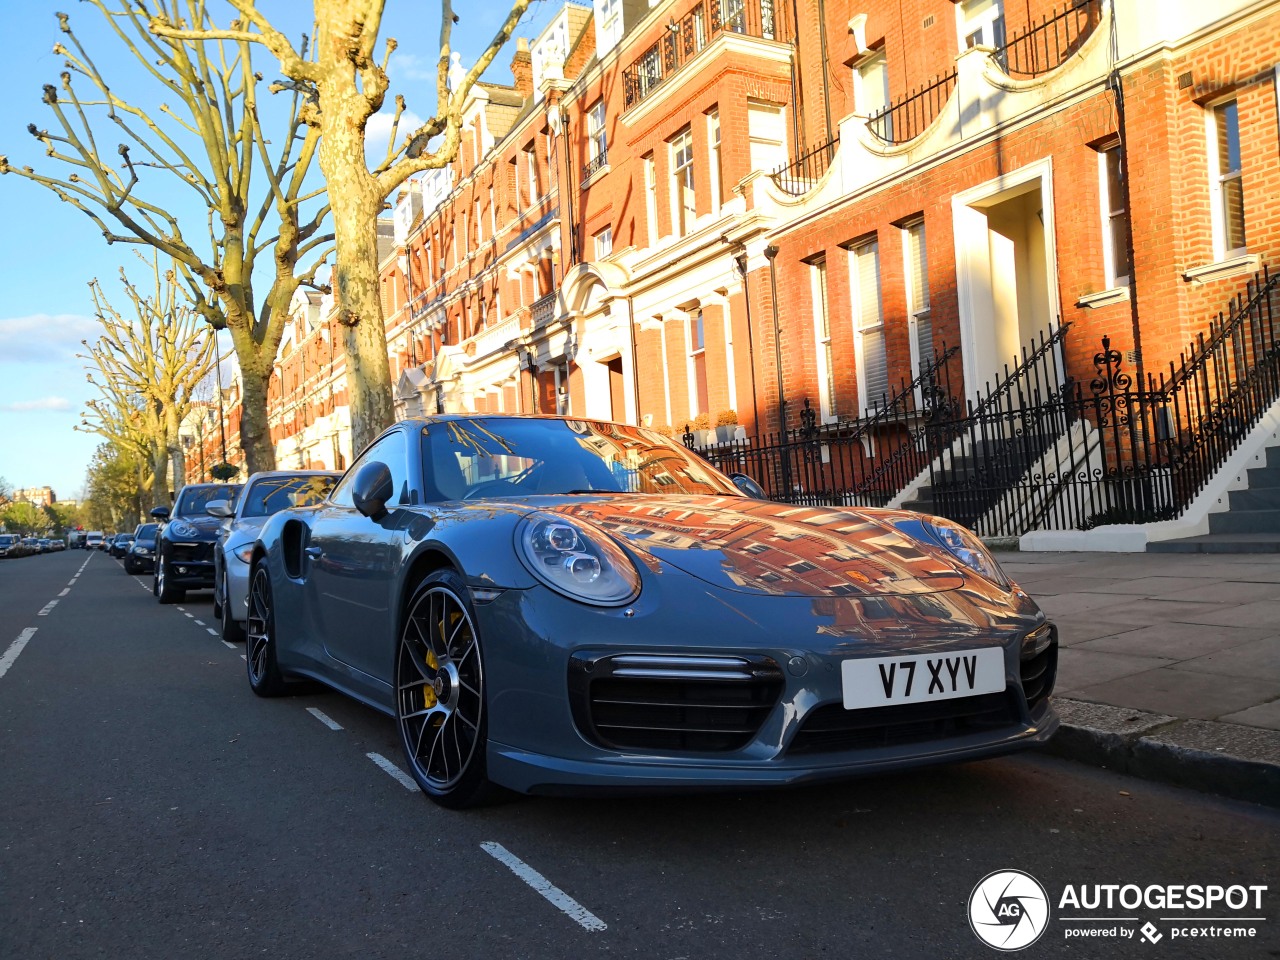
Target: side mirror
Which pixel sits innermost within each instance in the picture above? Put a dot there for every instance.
(219, 508)
(748, 487)
(372, 488)
(161, 513)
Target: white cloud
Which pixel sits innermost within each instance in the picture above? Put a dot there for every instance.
(43, 404)
(42, 338)
(407, 66)
(378, 131)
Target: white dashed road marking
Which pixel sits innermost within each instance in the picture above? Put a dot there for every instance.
(65, 591)
(554, 895)
(44, 611)
(199, 623)
(392, 770)
(330, 722)
(15, 648)
(230, 645)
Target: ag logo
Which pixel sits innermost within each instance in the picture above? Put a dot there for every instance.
(1008, 910)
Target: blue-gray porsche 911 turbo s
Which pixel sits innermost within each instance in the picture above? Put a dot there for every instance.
(564, 606)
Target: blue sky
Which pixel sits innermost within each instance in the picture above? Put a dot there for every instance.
(49, 251)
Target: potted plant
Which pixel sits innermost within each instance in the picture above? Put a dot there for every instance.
(224, 472)
(702, 432)
(726, 425)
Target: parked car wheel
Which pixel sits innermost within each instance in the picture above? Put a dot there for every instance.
(440, 694)
(165, 591)
(265, 678)
(232, 629)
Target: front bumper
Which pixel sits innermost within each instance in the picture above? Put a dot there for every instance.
(237, 585)
(539, 741)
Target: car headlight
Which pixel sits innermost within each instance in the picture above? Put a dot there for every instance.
(137, 549)
(584, 566)
(957, 541)
(184, 530)
(243, 553)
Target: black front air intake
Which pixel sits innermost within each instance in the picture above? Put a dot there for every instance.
(672, 704)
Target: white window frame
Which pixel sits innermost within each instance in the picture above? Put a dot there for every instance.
(477, 222)
(651, 198)
(916, 312)
(493, 215)
(820, 292)
(597, 134)
(988, 25)
(862, 95)
(717, 157)
(682, 219)
(1107, 208)
(860, 325)
(1217, 177)
(603, 242)
(531, 163)
(694, 352)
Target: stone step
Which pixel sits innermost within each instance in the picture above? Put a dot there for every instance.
(1273, 457)
(1259, 477)
(1245, 521)
(1259, 498)
(1220, 543)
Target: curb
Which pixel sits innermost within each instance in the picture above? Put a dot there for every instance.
(1227, 759)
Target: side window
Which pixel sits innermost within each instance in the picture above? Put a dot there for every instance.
(392, 451)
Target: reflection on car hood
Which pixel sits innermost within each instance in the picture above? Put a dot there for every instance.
(754, 546)
(206, 526)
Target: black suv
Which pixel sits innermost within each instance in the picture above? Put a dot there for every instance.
(186, 541)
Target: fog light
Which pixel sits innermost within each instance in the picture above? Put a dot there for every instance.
(182, 569)
(1037, 641)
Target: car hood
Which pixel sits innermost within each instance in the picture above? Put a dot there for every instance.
(759, 547)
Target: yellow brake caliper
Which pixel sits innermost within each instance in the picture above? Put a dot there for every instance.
(429, 694)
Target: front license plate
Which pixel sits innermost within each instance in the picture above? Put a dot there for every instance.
(886, 681)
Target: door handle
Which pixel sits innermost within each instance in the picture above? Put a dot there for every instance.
(313, 552)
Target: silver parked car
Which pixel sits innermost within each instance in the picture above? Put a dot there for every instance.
(264, 494)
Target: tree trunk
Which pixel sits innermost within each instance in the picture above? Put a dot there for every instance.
(356, 207)
(160, 472)
(255, 428)
(173, 441)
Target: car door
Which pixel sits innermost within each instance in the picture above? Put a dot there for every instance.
(354, 561)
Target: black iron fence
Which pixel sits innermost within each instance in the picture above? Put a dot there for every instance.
(1038, 449)
(908, 117)
(798, 176)
(1046, 45)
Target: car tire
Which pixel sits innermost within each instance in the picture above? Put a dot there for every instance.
(265, 678)
(232, 629)
(439, 683)
(165, 591)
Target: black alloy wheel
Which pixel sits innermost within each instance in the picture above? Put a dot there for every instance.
(440, 693)
(265, 678)
(164, 589)
(232, 629)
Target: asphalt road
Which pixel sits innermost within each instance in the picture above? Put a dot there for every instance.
(151, 806)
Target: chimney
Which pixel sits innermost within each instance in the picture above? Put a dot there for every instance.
(522, 68)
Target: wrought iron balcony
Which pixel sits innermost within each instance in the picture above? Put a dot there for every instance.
(697, 28)
(1047, 45)
(596, 164)
(798, 176)
(907, 117)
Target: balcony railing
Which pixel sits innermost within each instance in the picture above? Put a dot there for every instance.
(908, 117)
(799, 175)
(1047, 45)
(702, 24)
(493, 338)
(543, 310)
(594, 166)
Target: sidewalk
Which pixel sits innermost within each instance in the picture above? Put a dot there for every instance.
(1169, 664)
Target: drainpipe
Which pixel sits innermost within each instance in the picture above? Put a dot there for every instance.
(826, 77)
(741, 261)
(797, 82)
(1117, 85)
(771, 252)
(635, 367)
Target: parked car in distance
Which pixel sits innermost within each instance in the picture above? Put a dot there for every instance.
(11, 546)
(120, 544)
(59, 545)
(187, 537)
(140, 557)
(264, 494)
(93, 540)
(555, 605)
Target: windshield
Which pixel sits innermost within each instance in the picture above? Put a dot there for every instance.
(193, 500)
(273, 494)
(7, 540)
(516, 457)
(146, 532)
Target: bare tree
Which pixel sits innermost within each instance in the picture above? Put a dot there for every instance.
(345, 85)
(212, 142)
(151, 362)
